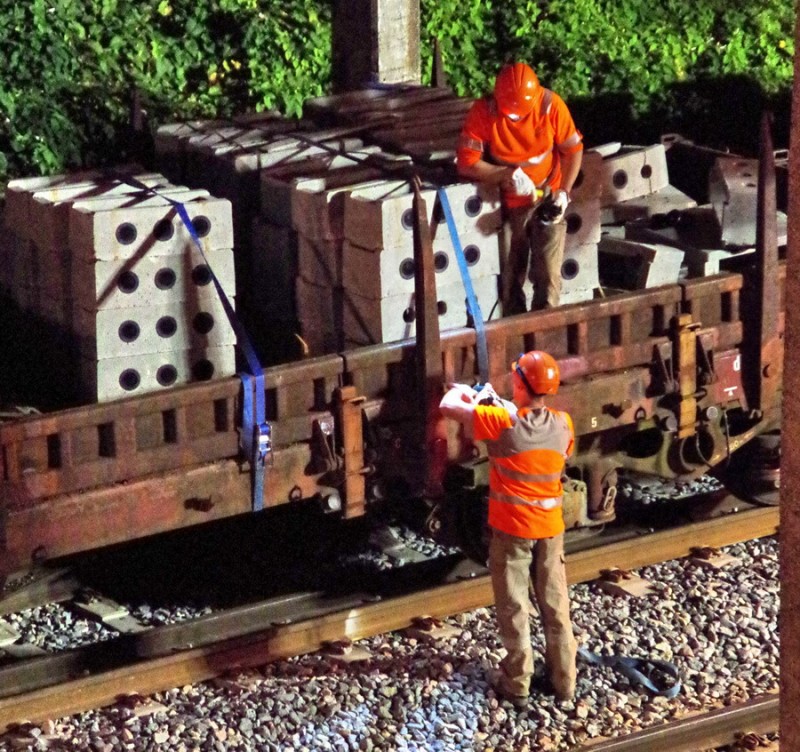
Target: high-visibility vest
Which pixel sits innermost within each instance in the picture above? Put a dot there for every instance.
(526, 460)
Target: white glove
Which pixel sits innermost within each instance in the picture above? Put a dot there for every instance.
(561, 200)
(523, 185)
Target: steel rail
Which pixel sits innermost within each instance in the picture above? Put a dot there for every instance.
(704, 731)
(278, 641)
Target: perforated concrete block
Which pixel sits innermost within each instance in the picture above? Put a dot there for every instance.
(733, 192)
(279, 183)
(318, 209)
(152, 280)
(632, 172)
(117, 332)
(589, 184)
(48, 209)
(18, 195)
(379, 218)
(390, 271)
(583, 223)
(579, 274)
(127, 229)
(631, 265)
(115, 378)
(662, 201)
(370, 321)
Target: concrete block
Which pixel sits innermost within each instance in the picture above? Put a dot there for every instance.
(18, 194)
(115, 378)
(580, 275)
(371, 321)
(583, 223)
(318, 210)
(589, 184)
(383, 218)
(633, 265)
(661, 202)
(633, 171)
(121, 332)
(279, 183)
(152, 280)
(390, 271)
(733, 192)
(48, 209)
(125, 229)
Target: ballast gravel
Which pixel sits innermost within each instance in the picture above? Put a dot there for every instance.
(719, 626)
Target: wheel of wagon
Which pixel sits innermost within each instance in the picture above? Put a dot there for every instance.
(762, 477)
(754, 473)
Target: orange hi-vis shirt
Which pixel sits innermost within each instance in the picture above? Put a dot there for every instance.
(526, 460)
(533, 143)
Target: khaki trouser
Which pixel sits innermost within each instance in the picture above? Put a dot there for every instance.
(515, 564)
(535, 250)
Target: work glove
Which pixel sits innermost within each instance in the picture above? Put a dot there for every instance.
(523, 185)
(560, 200)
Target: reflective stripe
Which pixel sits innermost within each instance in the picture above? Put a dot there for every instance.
(573, 140)
(465, 142)
(548, 504)
(538, 158)
(526, 477)
(547, 100)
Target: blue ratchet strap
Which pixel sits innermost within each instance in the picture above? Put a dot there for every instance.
(638, 670)
(472, 301)
(256, 432)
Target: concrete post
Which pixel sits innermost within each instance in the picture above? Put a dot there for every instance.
(790, 467)
(375, 41)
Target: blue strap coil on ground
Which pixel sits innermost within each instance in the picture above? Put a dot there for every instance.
(256, 431)
(639, 671)
(472, 301)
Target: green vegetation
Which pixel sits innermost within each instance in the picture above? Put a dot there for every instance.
(628, 68)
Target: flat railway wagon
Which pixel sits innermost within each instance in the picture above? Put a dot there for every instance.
(670, 381)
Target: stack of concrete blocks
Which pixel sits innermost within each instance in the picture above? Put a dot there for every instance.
(111, 269)
(635, 187)
(579, 269)
(733, 194)
(36, 220)
(146, 310)
(298, 240)
(377, 262)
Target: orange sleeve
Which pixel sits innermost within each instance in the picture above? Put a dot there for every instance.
(489, 422)
(568, 139)
(475, 132)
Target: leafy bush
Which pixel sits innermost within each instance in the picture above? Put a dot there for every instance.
(626, 67)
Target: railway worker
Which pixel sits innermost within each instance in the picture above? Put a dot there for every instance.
(528, 445)
(523, 138)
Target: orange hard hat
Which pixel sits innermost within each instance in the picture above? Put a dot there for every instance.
(538, 371)
(515, 89)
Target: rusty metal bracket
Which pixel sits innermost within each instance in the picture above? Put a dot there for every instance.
(685, 335)
(348, 406)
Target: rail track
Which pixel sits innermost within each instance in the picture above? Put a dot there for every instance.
(160, 658)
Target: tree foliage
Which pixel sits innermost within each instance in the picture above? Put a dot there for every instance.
(70, 65)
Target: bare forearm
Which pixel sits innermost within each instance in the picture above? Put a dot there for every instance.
(484, 172)
(570, 167)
